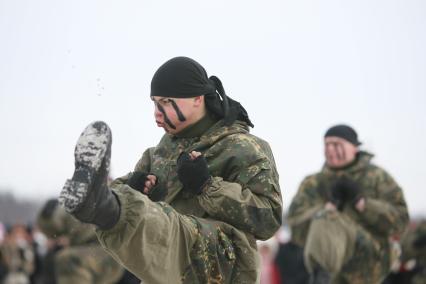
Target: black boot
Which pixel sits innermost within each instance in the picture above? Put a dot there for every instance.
(86, 195)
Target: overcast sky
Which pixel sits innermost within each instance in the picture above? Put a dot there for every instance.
(297, 66)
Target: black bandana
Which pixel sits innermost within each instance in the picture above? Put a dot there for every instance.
(183, 77)
(345, 132)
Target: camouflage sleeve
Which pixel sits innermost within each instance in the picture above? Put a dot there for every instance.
(305, 204)
(387, 213)
(143, 165)
(251, 200)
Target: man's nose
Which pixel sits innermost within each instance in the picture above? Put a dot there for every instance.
(157, 113)
(329, 149)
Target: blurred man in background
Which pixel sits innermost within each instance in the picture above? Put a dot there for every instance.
(345, 215)
(17, 255)
(75, 252)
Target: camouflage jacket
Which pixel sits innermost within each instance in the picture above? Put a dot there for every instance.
(385, 211)
(62, 224)
(244, 193)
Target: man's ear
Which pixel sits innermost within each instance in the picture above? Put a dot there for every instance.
(198, 101)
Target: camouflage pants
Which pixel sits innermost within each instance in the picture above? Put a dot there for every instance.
(86, 265)
(346, 250)
(159, 245)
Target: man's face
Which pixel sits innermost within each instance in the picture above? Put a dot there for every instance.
(173, 114)
(339, 152)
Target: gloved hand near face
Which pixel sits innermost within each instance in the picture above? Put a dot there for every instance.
(193, 172)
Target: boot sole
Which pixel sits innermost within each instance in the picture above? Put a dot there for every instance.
(89, 154)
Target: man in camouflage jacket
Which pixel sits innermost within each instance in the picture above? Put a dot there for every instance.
(345, 215)
(195, 204)
(82, 260)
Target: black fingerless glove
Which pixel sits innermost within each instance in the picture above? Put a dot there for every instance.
(337, 197)
(346, 190)
(158, 192)
(137, 181)
(193, 174)
(352, 190)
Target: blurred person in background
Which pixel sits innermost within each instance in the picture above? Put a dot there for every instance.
(289, 259)
(3, 267)
(269, 273)
(37, 241)
(412, 266)
(2, 232)
(76, 254)
(17, 255)
(345, 215)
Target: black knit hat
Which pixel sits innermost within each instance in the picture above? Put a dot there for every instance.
(183, 77)
(344, 132)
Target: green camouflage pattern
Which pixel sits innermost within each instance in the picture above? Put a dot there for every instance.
(87, 264)
(243, 203)
(63, 224)
(385, 215)
(83, 260)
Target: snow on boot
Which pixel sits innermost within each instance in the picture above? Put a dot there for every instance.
(86, 195)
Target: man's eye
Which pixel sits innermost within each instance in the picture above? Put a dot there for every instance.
(165, 102)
